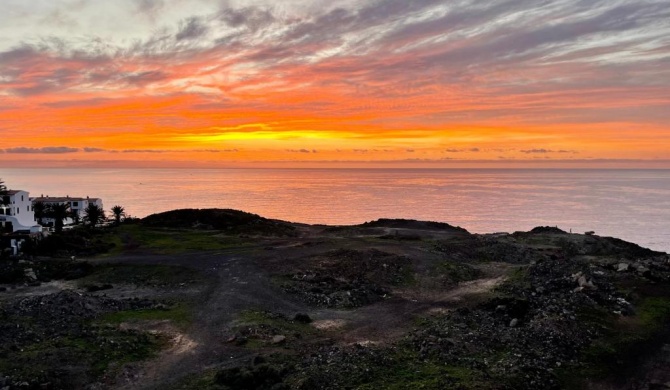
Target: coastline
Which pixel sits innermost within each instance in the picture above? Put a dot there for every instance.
(632, 205)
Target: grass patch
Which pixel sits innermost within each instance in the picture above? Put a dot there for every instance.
(627, 342)
(518, 277)
(268, 319)
(457, 272)
(403, 369)
(179, 315)
(654, 313)
(173, 241)
(200, 381)
(69, 361)
(122, 348)
(256, 329)
(411, 374)
(142, 275)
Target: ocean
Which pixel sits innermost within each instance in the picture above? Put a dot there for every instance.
(633, 205)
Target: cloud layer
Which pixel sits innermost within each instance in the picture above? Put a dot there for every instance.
(538, 77)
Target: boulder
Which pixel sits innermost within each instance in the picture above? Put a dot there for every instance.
(30, 274)
(302, 318)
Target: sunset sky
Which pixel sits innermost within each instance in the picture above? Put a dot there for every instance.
(343, 83)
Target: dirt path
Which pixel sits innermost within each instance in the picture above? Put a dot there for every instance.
(238, 285)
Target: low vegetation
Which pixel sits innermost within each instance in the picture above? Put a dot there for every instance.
(269, 305)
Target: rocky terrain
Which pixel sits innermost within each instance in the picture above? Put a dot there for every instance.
(220, 299)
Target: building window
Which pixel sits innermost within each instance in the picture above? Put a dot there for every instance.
(75, 204)
(28, 208)
(21, 198)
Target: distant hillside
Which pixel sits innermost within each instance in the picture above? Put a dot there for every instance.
(228, 220)
(548, 230)
(412, 224)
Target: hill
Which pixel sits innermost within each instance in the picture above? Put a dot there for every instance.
(228, 220)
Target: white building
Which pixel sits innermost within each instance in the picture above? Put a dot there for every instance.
(17, 221)
(16, 210)
(77, 207)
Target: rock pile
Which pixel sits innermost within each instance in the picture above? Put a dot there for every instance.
(552, 313)
(348, 278)
(59, 328)
(528, 336)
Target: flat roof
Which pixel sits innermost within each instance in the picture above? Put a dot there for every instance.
(61, 199)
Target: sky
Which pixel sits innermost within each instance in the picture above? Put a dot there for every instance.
(579, 83)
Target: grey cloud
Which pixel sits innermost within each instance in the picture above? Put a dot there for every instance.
(338, 21)
(452, 20)
(44, 150)
(387, 9)
(131, 78)
(150, 7)
(34, 89)
(92, 150)
(216, 150)
(504, 46)
(190, 29)
(143, 78)
(544, 151)
(23, 52)
(144, 151)
(59, 67)
(76, 103)
(254, 18)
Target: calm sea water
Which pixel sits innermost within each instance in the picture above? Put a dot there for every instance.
(630, 204)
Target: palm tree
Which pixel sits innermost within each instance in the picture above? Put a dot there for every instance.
(94, 214)
(3, 193)
(40, 211)
(58, 212)
(118, 212)
(74, 214)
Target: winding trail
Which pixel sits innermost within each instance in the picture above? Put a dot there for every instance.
(238, 285)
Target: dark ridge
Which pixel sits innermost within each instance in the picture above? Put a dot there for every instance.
(626, 248)
(547, 230)
(412, 224)
(228, 220)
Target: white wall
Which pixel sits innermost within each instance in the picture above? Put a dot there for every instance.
(21, 208)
